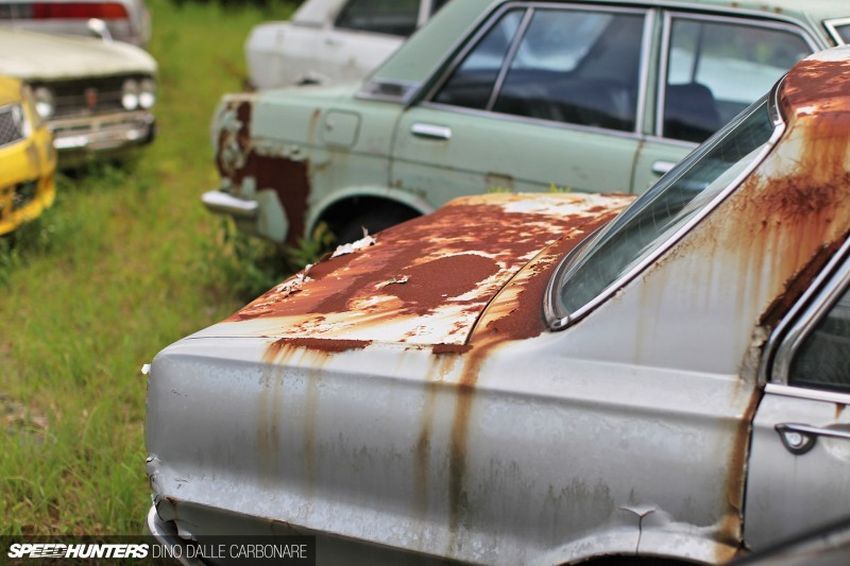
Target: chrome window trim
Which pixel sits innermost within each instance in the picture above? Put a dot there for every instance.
(809, 310)
(643, 73)
(667, 32)
(519, 35)
(557, 319)
(468, 42)
(810, 394)
(832, 27)
(423, 13)
(471, 41)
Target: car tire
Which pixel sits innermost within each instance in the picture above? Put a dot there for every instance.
(373, 221)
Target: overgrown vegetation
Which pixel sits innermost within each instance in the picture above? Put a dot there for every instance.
(126, 262)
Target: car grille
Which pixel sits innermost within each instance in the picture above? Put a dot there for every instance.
(9, 130)
(86, 97)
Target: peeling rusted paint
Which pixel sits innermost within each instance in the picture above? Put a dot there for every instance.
(237, 159)
(452, 262)
(330, 346)
(731, 533)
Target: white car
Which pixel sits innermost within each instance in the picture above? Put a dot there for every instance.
(95, 96)
(332, 40)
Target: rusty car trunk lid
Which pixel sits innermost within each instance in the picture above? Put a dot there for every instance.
(424, 282)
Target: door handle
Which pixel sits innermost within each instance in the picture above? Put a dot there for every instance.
(431, 131)
(800, 438)
(662, 167)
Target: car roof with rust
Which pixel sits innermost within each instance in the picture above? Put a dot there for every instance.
(418, 58)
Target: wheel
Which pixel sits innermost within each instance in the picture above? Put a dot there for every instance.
(373, 221)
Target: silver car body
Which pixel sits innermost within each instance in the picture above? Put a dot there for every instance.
(421, 394)
(310, 49)
(85, 76)
(126, 20)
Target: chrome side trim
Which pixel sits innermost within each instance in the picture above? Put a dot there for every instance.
(832, 27)
(818, 299)
(669, 16)
(223, 203)
(810, 394)
(558, 320)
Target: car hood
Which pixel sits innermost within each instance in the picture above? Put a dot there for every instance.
(10, 91)
(37, 56)
(427, 281)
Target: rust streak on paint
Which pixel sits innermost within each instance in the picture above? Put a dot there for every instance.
(731, 528)
(440, 367)
(839, 410)
(516, 313)
(441, 349)
(322, 345)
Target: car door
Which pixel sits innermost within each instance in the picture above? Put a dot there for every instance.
(712, 67)
(799, 468)
(539, 97)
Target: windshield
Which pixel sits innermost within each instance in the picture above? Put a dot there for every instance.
(653, 219)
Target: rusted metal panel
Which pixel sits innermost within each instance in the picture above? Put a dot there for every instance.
(428, 280)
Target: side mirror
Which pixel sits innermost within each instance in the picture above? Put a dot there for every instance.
(99, 28)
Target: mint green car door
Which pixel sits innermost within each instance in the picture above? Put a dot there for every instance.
(712, 68)
(540, 98)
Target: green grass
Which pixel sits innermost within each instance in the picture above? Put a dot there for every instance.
(126, 262)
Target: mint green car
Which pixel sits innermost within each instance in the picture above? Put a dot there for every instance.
(589, 96)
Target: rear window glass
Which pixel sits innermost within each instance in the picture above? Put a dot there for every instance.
(665, 208)
(844, 33)
(393, 17)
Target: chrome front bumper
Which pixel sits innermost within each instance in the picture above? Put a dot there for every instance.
(102, 133)
(165, 534)
(223, 203)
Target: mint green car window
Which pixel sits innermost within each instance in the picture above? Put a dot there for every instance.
(576, 66)
(717, 69)
(670, 204)
(844, 33)
(471, 84)
(823, 359)
(393, 17)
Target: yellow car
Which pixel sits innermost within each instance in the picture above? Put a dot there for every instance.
(27, 158)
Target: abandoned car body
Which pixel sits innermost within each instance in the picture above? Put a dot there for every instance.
(123, 20)
(330, 41)
(504, 96)
(96, 96)
(490, 383)
(27, 158)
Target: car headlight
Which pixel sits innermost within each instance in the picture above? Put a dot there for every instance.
(147, 93)
(130, 94)
(19, 119)
(44, 103)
